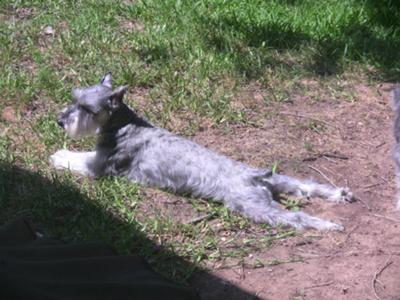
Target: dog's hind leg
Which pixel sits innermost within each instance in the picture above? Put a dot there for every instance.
(256, 203)
(298, 220)
(307, 188)
(78, 162)
(274, 215)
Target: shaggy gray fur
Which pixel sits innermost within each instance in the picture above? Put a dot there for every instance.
(130, 146)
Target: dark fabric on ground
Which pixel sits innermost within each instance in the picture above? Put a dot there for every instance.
(32, 268)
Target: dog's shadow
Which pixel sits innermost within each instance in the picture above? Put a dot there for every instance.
(59, 209)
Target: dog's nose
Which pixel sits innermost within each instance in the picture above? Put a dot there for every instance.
(61, 123)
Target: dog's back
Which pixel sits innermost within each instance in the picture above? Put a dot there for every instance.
(156, 157)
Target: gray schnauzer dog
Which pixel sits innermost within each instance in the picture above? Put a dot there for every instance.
(396, 152)
(130, 146)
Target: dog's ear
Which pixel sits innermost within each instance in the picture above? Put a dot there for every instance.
(116, 97)
(107, 80)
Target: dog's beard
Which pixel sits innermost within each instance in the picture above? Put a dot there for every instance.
(84, 124)
(81, 126)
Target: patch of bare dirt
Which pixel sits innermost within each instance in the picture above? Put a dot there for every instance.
(166, 205)
(131, 26)
(348, 144)
(24, 12)
(8, 114)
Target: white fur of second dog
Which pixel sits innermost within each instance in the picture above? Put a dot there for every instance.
(130, 146)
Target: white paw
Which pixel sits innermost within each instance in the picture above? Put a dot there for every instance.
(326, 225)
(343, 195)
(319, 224)
(301, 220)
(398, 203)
(332, 226)
(60, 159)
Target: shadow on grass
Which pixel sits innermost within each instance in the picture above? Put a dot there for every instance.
(326, 55)
(384, 12)
(56, 207)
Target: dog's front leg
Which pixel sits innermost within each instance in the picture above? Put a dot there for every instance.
(75, 161)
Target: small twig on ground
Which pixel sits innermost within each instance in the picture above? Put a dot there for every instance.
(384, 217)
(323, 175)
(200, 218)
(379, 272)
(329, 159)
(306, 117)
(372, 185)
(327, 156)
(334, 156)
(366, 144)
(384, 179)
(319, 285)
(310, 158)
(380, 145)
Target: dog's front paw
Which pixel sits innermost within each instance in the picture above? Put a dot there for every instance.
(343, 195)
(319, 224)
(60, 159)
(330, 226)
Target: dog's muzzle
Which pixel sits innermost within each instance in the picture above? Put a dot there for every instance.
(60, 123)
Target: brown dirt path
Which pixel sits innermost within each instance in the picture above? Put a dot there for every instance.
(333, 265)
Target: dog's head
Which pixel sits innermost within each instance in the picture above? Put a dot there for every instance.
(92, 108)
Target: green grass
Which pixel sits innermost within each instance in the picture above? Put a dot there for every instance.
(189, 60)
(191, 56)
